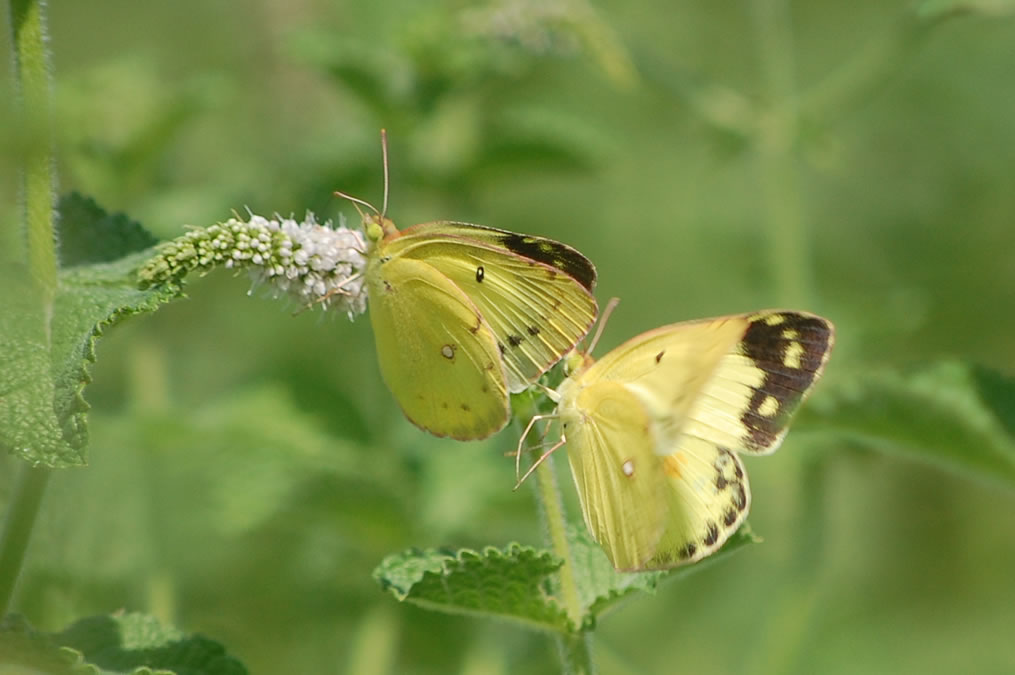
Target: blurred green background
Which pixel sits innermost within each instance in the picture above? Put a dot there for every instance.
(247, 467)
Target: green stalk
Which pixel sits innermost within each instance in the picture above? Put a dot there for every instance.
(31, 72)
(575, 648)
(777, 137)
(24, 507)
(777, 141)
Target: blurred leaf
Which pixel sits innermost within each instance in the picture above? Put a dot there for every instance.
(506, 584)
(602, 587)
(87, 234)
(933, 9)
(137, 643)
(42, 411)
(950, 413)
(25, 650)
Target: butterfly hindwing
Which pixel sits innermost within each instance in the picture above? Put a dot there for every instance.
(534, 293)
(436, 353)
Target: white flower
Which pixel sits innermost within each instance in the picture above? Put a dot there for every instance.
(314, 264)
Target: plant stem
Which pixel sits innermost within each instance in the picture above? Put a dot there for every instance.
(31, 67)
(22, 510)
(575, 648)
(777, 136)
(31, 73)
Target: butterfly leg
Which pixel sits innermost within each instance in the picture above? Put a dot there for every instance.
(539, 461)
(518, 451)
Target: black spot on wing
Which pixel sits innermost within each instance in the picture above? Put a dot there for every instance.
(687, 551)
(533, 330)
(554, 254)
(791, 352)
(711, 535)
(730, 517)
(514, 340)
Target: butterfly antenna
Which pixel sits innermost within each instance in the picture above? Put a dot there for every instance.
(384, 161)
(604, 317)
(357, 202)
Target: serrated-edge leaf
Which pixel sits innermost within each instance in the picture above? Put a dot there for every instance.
(604, 588)
(508, 584)
(47, 354)
(139, 644)
(88, 234)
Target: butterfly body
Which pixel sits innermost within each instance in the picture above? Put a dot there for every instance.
(464, 314)
(654, 429)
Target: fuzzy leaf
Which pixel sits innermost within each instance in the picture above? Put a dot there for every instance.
(506, 584)
(137, 643)
(25, 650)
(603, 588)
(90, 235)
(959, 416)
(46, 349)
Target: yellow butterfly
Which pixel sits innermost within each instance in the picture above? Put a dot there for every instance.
(654, 428)
(464, 314)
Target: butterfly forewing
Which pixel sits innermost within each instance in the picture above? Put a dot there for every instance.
(534, 293)
(437, 355)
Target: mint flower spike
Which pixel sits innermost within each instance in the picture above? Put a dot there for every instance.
(312, 263)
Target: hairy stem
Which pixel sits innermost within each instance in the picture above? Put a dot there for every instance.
(31, 73)
(575, 648)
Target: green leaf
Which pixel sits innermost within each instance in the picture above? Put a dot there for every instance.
(23, 650)
(934, 9)
(959, 416)
(602, 587)
(87, 234)
(137, 643)
(46, 350)
(505, 584)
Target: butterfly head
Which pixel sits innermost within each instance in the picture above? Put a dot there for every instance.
(576, 361)
(377, 227)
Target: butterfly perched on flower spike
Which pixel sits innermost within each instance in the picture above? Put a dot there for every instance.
(464, 314)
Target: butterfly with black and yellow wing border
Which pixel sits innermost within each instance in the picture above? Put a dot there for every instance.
(655, 427)
(465, 314)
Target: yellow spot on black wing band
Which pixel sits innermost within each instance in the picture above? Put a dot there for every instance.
(790, 349)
